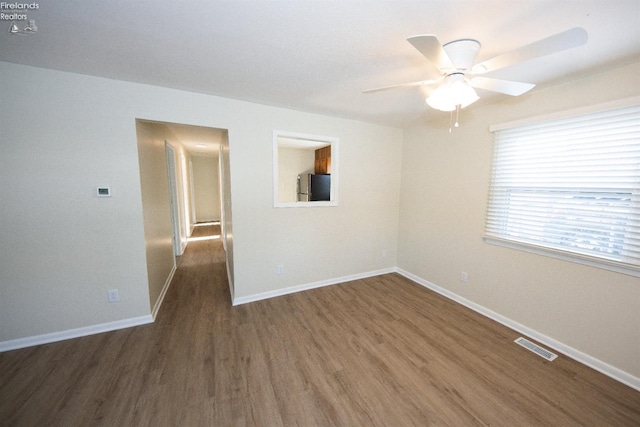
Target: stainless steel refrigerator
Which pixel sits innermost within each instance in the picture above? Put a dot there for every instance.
(314, 187)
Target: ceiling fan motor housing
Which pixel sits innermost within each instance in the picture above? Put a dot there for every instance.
(462, 53)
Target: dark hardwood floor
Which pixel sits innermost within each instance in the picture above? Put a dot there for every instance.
(381, 351)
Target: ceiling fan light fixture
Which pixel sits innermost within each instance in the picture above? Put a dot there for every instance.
(453, 92)
(456, 63)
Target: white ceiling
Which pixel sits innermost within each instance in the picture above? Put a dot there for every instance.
(315, 56)
(198, 140)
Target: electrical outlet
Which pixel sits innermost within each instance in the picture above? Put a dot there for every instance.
(384, 253)
(464, 277)
(113, 295)
(279, 269)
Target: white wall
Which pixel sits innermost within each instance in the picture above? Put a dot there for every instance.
(444, 194)
(64, 134)
(63, 248)
(206, 188)
(315, 244)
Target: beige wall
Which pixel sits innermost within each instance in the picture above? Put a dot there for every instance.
(291, 163)
(206, 188)
(226, 214)
(156, 207)
(444, 194)
(154, 186)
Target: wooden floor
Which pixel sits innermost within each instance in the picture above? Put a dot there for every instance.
(381, 351)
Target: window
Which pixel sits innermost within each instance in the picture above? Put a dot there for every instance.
(570, 188)
(305, 170)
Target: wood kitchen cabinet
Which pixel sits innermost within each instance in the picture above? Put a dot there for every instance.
(323, 160)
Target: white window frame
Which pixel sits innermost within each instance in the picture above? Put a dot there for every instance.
(504, 198)
(302, 140)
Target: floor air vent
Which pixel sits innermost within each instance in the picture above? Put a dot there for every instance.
(536, 349)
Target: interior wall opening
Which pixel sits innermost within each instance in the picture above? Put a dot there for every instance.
(200, 190)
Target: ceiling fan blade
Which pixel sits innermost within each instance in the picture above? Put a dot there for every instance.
(431, 48)
(502, 86)
(562, 41)
(420, 83)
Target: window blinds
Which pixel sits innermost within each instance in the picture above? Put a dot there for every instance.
(570, 186)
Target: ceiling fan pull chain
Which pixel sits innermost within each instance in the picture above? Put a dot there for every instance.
(456, 124)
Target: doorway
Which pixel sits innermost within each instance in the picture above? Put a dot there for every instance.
(165, 153)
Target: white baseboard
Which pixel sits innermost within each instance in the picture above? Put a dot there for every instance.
(592, 362)
(89, 330)
(585, 359)
(74, 333)
(299, 288)
(163, 292)
(201, 220)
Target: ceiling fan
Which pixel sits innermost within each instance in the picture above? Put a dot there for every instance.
(459, 75)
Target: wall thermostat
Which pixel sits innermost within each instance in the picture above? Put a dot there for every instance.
(103, 192)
